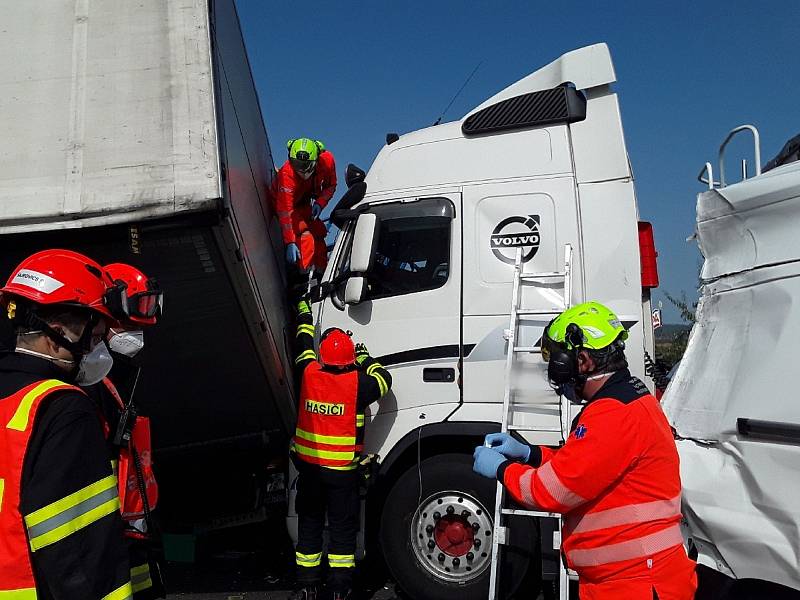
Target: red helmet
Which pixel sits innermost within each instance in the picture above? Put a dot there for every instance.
(145, 298)
(62, 277)
(336, 348)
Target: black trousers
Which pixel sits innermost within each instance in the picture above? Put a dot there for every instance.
(322, 491)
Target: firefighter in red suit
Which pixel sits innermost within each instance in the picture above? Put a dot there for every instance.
(334, 393)
(616, 480)
(302, 188)
(128, 431)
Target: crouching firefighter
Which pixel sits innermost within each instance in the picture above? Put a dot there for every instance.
(60, 527)
(616, 480)
(334, 393)
(128, 432)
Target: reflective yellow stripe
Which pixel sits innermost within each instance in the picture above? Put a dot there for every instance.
(19, 421)
(360, 419)
(382, 385)
(140, 578)
(64, 517)
(305, 356)
(344, 468)
(330, 454)
(346, 561)
(123, 592)
(334, 440)
(373, 367)
(308, 560)
(309, 329)
(21, 594)
(2, 489)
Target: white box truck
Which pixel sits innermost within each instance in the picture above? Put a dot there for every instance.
(131, 131)
(421, 272)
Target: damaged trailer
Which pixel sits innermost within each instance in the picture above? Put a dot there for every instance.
(730, 400)
(132, 132)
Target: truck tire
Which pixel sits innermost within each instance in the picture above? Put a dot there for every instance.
(439, 548)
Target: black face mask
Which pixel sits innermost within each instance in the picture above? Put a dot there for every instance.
(568, 391)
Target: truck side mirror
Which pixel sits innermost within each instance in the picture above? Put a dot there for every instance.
(365, 240)
(354, 290)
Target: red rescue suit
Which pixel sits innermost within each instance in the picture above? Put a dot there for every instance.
(293, 196)
(617, 482)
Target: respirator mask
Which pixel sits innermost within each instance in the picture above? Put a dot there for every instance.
(126, 343)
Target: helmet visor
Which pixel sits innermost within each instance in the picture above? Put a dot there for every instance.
(302, 165)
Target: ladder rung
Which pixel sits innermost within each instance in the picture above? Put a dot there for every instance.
(532, 428)
(530, 513)
(539, 311)
(529, 276)
(528, 349)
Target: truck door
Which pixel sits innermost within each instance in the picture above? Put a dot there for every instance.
(410, 316)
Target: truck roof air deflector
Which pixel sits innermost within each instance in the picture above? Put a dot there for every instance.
(562, 104)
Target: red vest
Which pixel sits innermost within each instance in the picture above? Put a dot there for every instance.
(328, 423)
(17, 417)
(130, 497)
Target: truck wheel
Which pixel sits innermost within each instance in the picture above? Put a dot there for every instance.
(440, 547)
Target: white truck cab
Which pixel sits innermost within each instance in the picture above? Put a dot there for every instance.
(421, 272)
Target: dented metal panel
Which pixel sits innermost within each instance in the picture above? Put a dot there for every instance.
(738, 366)
(107, 113)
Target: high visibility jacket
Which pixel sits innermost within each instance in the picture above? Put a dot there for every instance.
(331, 418)
(290, 191)
(617, 482)
(24, 533)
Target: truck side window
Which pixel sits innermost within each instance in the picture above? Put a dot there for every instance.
(413, 255)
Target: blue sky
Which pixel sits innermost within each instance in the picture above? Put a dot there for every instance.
(688, 72)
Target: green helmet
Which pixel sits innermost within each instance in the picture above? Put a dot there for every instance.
(303, 149)
(598, 325)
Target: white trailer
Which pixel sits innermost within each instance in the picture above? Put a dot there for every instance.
(421, 272)
(732, 399)
(132, 131)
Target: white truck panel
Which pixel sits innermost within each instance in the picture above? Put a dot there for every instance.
(112, 113)
(585, 68)
(738, 365)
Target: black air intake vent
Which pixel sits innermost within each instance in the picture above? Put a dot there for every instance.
(558, 105)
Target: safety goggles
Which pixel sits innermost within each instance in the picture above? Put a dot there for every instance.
(143, 305)
(146, 304)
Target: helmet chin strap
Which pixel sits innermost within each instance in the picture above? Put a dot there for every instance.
(45, 356)
(599, 375)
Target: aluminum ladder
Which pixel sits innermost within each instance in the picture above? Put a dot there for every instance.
(500, 536)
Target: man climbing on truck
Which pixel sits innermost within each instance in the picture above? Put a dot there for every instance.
(616, 480)
(302, 188)
(328, 440)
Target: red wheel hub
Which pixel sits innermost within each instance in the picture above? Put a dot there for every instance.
(453, 535)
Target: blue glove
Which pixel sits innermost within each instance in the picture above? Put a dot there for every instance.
(505, 444)
(316, 210)
(486, 461)
(292, 253)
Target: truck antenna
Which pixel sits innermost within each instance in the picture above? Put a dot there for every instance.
(461, 89)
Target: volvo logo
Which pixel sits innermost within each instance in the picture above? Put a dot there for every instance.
(516, 232)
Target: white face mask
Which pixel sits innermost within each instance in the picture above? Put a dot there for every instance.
(126, 343)
(94, 366)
